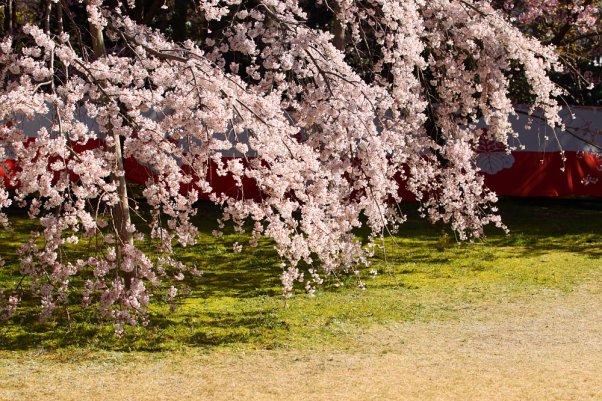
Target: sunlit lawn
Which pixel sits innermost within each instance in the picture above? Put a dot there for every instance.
(423, 274)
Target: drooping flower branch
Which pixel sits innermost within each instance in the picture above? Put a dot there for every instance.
(332, 134)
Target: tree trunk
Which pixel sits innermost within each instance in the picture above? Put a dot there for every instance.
(121, 211)
(98, 41)
(338, 29)
(178, 21)
(59, 19)
(47, 15)
(9, 18)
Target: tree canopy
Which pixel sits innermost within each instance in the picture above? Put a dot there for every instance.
(331, 105)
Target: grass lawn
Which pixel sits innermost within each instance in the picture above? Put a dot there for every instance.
(510, 318)
(424, 275)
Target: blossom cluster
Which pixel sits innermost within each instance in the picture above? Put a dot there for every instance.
(571, 25)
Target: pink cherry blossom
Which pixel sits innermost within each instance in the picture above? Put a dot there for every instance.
(328, 142)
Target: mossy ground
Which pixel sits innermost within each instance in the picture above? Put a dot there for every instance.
(424, 275)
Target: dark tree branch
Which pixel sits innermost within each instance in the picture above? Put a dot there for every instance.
(566, 28)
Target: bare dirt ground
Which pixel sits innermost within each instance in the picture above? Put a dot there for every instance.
(546, 347)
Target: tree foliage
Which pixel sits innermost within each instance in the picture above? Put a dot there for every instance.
(574, 27)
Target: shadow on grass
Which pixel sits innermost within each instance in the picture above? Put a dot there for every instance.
(238, 300)
(161, 334)
(250, 273)
(541, 225)
(537, 225)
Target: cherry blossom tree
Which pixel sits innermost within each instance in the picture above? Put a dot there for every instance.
(574, 27)
(329, 117)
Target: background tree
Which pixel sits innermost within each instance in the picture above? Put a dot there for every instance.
(326, 126)
(574, 27)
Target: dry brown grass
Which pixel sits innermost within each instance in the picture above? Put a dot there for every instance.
(547, 346)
